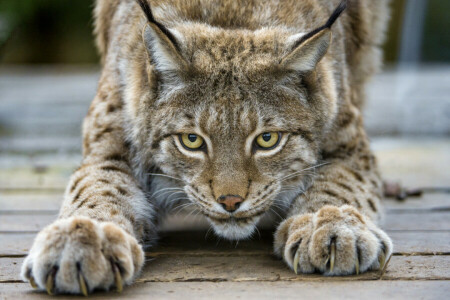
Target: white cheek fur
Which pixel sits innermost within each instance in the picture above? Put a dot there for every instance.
(232, 231)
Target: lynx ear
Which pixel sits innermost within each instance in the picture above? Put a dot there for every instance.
(306, 50)
(161, 43)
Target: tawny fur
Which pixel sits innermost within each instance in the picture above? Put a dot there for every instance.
(228, 71)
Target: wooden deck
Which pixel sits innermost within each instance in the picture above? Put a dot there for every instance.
(189, 263)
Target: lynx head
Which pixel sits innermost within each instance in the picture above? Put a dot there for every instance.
(237, 114)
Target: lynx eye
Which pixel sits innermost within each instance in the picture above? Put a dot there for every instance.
(191, 141)
(268, 140)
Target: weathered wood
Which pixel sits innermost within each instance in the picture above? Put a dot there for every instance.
(32, 201)
(420, 242)
(268, 268)
(15, 244)
(256, 290)
(413, 162)
(37, 177)
(20, 223)
(417, 221)
(10, 269)
(425, 202)
(258, 268)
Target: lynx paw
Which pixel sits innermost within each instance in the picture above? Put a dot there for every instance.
(78, 255)
(333, 241)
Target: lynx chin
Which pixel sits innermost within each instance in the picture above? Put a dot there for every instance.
(237, 108)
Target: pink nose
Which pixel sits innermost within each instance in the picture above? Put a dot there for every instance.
(230, 202)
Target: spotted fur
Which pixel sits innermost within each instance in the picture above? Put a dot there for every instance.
(228, 71)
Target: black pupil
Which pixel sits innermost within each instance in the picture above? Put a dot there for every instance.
(266, 136)
(192, 137)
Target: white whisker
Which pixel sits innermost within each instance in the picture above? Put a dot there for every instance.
(208, 231)
(257, 230)
(302, 171)
(164, 175)
(272, 210)
(166, 189)
(171, 195)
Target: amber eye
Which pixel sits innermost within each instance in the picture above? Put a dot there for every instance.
(268, 140)
(191, 141)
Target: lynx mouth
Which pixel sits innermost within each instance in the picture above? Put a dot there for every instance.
(233, 228)
(233, 218)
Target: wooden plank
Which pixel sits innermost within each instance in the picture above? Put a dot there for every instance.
(426, 202)
(35, 201)
(198, 243)
(37, 177)
(20, 223)
(10, 269)
(421, 242)
(258, 268)
(256, 290)
(414, 162)
(268, 268)
(15, 244)
(394, 221)
(417, 221)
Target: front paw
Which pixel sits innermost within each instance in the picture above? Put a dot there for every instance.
(332, 241)
(77, 255)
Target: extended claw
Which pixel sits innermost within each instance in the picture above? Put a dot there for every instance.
(50, 283)
(382, 260)
(385, 266)
(357, 266)
(33, 282)
(82, 283)
(117, 278)
(296, 260)
(332, 255)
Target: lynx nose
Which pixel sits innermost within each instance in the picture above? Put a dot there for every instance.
(230, 202)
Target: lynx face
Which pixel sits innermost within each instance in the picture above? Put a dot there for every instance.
(250, 149)
(237, 115)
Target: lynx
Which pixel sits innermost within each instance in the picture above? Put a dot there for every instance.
(238, 108)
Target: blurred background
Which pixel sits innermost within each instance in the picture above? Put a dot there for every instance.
(59, 32)
(49, 70)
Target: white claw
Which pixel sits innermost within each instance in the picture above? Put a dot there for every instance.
(117, 279)
(385, 266)
(83, 286)
(296, 260)
(50, 284)
(332, 256)
(382, 260)
(33, 282)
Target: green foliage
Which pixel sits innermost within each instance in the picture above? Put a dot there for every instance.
(47, 31)
(436, 38)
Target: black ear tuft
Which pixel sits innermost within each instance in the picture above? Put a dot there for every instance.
(147, 10)
(145, 6)
(336, 13)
